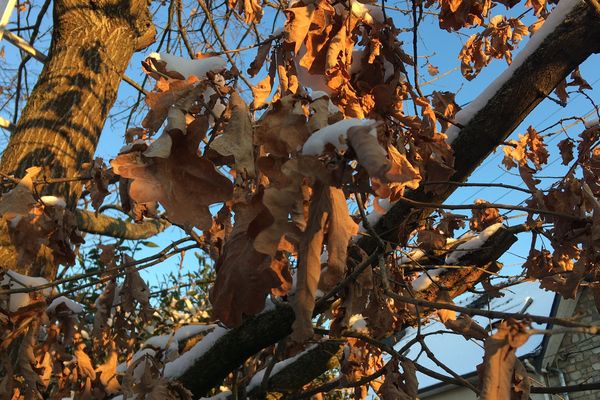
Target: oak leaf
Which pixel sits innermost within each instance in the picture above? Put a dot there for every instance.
(565, 147)
(484, 217)
(236, 139)
(388, 176)
(261, 55)
(184, 183)
(297, 25)
(499, 359)
(245, 276)
(400, 386)
(467, 327)
(282, 129)
(160, 102)
(340, 230)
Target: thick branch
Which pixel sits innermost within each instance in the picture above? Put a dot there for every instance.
(235, 347)
(268, 328)
(571, 43)
(104, 225)
(302, 370)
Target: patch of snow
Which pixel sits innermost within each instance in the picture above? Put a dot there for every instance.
(334, 134)
(410, 257)
(167, 342)
(380, 208)
(121, 368)
(178, 367)
(75, 307)
(332, 108)
(14, 280)
(557, 16)
(129, 146)
(258, 377)
(187, 331)
(161, 147)
(358, 323)
(53, 201)
(369, 13)
(426, 279)
(187, 68)
(591, 123)
(472, 244)
(269, 305)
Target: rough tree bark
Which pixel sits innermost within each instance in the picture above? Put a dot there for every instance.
(92, 44)
(561, 52)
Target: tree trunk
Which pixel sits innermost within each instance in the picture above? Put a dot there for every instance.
(92, 44)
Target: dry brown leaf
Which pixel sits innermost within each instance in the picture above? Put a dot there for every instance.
(84, 363)
(467, 327)
(259, 60)
(499, 359)
(98, 185)
(282, 129)
(539, 6)
(445, 315)
(482, 218)
(297, 25)
(245, 276)
(445, 104)
(521, 385)
(319, 117)
(19, 200)
(388, 176)
(317, 39)
(400, 386)
(161, 102)
(104, 305)
(402, 174)
(309, 264)
(184, 183)
(107, 372)
(135, 292)
(262, 91)
(430, 239)
(236, 139)
(341, 229)
(577, 80)
(273, 223)
(565, 147)
(561, 91)
(432, 70)
(530, 147)
(456, 14)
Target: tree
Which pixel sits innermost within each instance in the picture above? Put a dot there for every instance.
(61, 124)
(336, 133)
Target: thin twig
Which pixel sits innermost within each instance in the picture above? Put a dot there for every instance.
(483, 206)
(594, 329)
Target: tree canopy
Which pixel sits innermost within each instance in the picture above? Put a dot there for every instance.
(295, 150)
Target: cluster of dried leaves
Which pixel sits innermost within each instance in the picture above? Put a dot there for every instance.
(52, 352)
(327, 127)
(39, 227)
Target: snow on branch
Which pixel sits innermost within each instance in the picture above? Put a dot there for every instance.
(552, 22)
